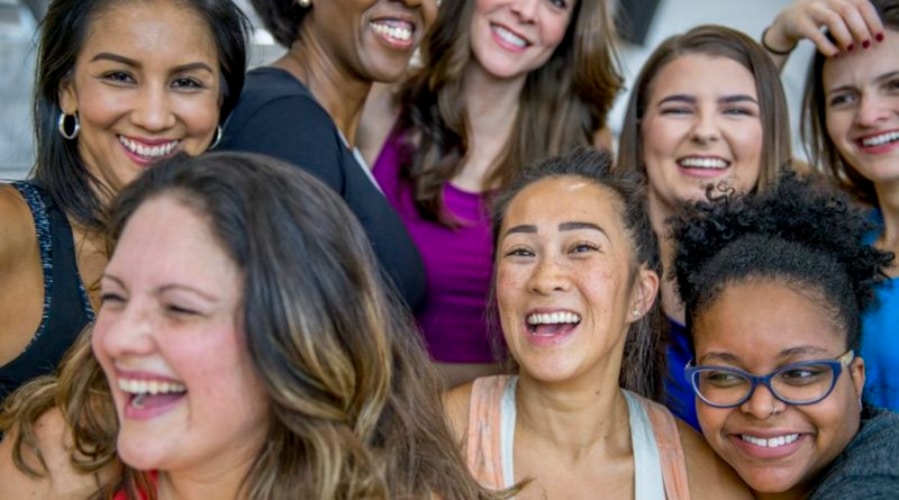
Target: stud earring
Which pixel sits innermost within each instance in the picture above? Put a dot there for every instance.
(636, 311)
(304, 3)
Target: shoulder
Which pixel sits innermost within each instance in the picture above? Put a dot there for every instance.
(457, 405)
(867, 466)
(709, 476)
(61, 480)
(17, 233)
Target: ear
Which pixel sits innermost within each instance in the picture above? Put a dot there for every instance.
(646, 287)
(856, 371)
(68, 99)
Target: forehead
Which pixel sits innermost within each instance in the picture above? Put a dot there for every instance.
(165, 30)
(702, 74)
(566, 198)
(762, 318)
(862, 65)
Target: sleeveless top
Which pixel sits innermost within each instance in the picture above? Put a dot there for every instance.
(457, 260)
(659, 463)
(66, 310)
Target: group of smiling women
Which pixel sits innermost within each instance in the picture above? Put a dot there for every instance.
(425, 277)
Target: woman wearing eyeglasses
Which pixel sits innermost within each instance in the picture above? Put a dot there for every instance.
(773, 287)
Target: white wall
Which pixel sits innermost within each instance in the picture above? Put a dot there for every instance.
(749, 16)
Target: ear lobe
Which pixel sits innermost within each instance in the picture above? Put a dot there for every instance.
(646, 287)
(68, 100)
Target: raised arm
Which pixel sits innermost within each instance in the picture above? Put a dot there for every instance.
(852, 24)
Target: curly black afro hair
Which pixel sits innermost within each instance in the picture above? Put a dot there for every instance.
(800, 232)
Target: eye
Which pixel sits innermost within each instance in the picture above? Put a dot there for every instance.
(892, 85)
(518, 252)
(676, 110)
(179, 310)
(721, 378)
(584, 247)
(187, 83)
(739, 111)
(111, 298)
(804, 375)
(841, 99)
(560, 4)
(118, 77)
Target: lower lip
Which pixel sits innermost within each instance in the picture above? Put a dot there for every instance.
(143, 414)
(768, 453)
(144, 161)
(394, 43)
(703, 173)
(881, 149)
(550, 340)
(511, 47)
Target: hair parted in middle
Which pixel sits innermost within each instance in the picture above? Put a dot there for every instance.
(718, 41)
(562, 104)
(643, 362)
(356, 409)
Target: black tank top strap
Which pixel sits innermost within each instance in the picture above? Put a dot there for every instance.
(66, 309)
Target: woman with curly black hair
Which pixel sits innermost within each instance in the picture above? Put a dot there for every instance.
(774, 286)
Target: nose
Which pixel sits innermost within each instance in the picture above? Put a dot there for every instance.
(124, 331)
(526, 10)
(705, 128)
(549, 276)
(153, 109)
(762, 403)
(872, 109)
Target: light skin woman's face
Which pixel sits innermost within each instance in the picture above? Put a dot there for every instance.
(511, 38)
(370, 40)
(169, 336)
(145, 86)
(774, 446)
(861, 105)
(566, 283)
(702, 125)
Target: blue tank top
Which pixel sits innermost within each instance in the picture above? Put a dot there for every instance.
(66, 310)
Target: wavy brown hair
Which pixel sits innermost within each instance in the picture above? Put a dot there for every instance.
(821, 150)
(562, 105)
(719, 41)
(356, 409)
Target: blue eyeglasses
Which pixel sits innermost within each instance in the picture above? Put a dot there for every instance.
(802, 383)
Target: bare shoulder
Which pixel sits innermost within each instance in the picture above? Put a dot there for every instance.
(60, 480)
(709, 476)
(378, 117)
(457, 404)
(17, 234)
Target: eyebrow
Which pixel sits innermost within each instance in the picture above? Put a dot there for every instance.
(728, 99)
(108, 56)
(785, 354)
(564, 226)
(165, 288)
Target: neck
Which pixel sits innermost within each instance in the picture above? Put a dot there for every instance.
(672, 306)
(224, 483)
(341, 93)
(492, 109)
(574, 416)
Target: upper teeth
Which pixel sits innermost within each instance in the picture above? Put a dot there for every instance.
(150, 386)
(149, 151)
(771, 442)
(510, 37)
(403, 33)
(881, 139)
(553, 318)
(703, 162)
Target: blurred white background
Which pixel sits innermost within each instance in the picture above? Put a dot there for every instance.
(17, 52)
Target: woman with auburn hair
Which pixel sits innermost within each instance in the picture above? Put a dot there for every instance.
(502, 83)
(728, 130)
(119, 85)
(850, 126)
(774, 287)
(577, 268)
(237, 370)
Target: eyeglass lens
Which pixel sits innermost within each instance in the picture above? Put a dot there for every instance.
(800, 384)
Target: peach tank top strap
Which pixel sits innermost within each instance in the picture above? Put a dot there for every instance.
(671, 452)
(484, 448)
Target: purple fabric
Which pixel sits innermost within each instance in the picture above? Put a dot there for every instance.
(457, 263)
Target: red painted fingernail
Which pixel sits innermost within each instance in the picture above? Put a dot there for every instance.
(850, 47)
(866, 44)
(879, 37)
